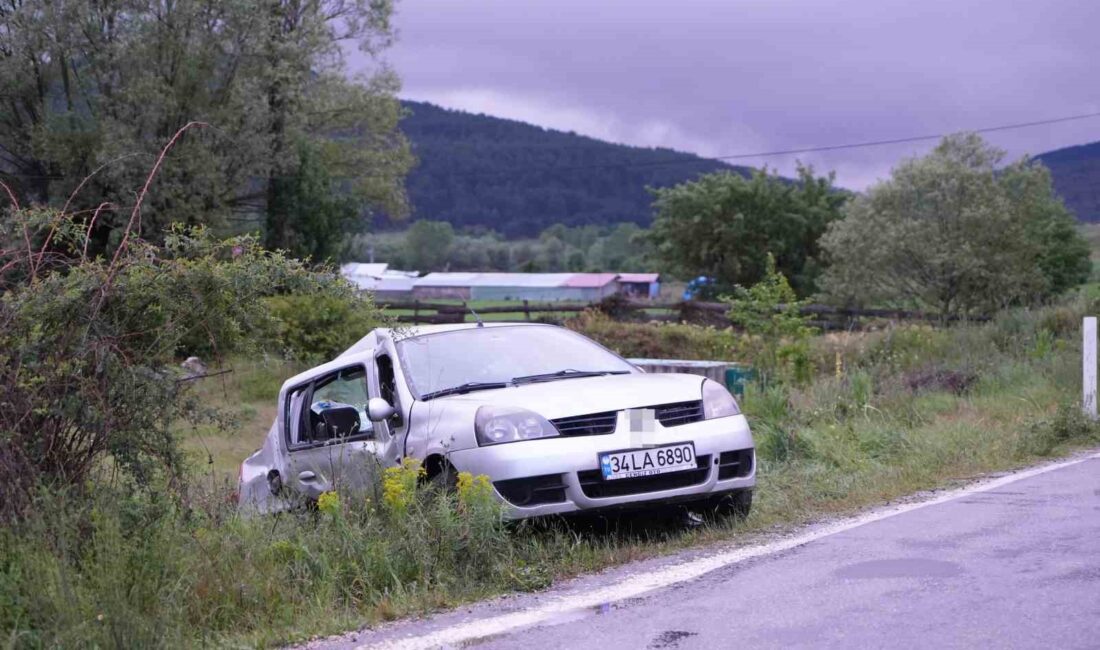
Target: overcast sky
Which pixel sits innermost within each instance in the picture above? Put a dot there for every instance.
(718, 77)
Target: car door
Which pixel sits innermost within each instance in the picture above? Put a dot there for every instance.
(319, 462)
(387, 384)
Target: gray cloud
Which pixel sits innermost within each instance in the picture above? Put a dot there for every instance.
(722, 77)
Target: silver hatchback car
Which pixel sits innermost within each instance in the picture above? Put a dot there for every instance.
(559, 423)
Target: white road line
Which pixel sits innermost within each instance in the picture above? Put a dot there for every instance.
(634, 586)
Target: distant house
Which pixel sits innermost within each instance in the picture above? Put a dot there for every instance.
(548, 287)
(640, 285)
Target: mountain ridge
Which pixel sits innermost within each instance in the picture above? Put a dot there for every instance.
(1076, 174)
(483, 172)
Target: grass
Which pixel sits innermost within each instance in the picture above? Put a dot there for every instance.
(250, 394)
(913, 408)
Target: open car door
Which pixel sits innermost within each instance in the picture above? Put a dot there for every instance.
(332, 445)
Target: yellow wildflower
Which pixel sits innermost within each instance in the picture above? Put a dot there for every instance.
(329, 503)
(474, 490)
(399, 484)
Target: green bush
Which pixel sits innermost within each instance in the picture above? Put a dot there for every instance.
(319, 327)
(88, 368)
(662, 340)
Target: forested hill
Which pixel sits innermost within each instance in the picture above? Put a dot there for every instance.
(518, 179)
(1076, 173)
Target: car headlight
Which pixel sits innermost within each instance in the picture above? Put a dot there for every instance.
(495, 425)
(717, 401)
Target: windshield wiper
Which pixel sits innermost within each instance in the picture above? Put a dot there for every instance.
(568, 373)
(465, 388)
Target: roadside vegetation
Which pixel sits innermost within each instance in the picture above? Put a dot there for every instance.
(907, 408)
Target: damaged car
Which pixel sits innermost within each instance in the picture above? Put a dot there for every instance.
(558, 423)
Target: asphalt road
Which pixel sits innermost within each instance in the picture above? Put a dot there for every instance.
(1017, 566)
(1013, 564)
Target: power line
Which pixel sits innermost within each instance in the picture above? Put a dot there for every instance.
(916, 138)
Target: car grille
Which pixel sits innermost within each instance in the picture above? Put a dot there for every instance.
(671, 415)
(593, 424)
(735, 464)
(532, 490)
(594, 487)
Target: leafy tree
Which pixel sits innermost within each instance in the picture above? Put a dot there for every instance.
(317, 215)
(623, 248)
(951, 232)
(428, 243)
(1063, 251)
(95, 89)
(724, 226)
(770, 310)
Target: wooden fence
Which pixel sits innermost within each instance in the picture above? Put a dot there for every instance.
(825, 317)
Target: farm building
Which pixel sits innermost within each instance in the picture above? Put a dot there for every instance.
(379, 279)
(640, 285)
(389, 284)
(580, 287)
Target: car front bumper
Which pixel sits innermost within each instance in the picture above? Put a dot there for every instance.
(567, 468)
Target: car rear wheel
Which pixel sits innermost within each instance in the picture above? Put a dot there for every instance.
(275, 483)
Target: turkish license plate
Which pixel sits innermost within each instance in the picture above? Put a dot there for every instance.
(632, 463)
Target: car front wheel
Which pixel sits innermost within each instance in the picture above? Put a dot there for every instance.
(736, 504)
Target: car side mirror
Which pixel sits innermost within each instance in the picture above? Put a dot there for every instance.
(379, 409)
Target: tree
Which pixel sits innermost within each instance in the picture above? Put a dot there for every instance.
(771, 311)
(951, 232)
(1063, 251)
(428, 244)
(95, 89)
(318, 216)
(724, 226)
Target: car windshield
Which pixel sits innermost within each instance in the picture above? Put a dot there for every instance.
(495, 355)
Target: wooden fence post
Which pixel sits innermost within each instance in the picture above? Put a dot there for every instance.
(526, 310)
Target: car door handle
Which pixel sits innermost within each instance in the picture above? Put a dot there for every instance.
(306, 476)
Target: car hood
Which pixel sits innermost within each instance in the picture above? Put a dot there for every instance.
(580, 396)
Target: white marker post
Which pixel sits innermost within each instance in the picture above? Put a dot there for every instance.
(1088, 367)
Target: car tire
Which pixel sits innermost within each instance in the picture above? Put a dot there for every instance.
(736, 504)
(445, 480)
